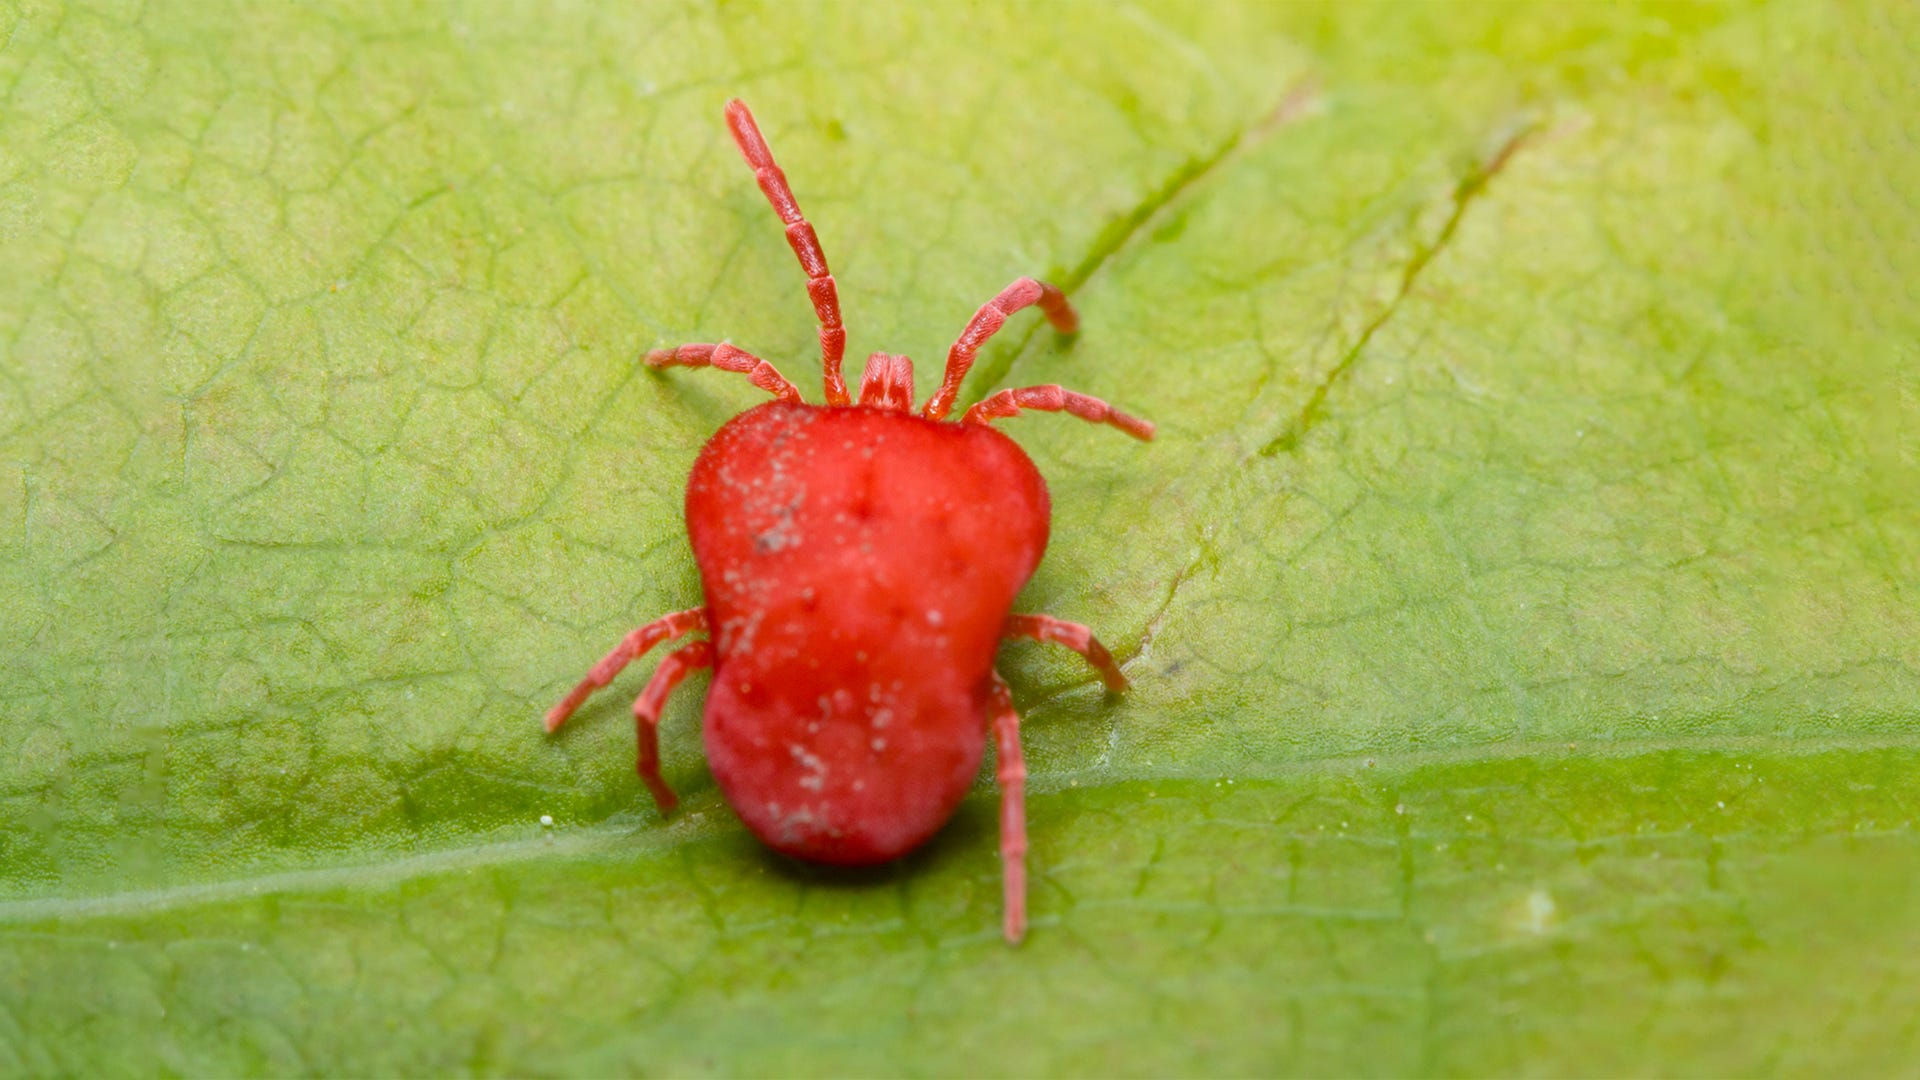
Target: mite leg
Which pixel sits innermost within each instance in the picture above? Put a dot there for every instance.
(1012, 774)
(1054, 399)
(631, 648)
(727, 358)
(646, 715)
(1073, 636)
(806, 246)
(986, 322)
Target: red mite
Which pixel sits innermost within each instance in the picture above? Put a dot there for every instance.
(859, 563)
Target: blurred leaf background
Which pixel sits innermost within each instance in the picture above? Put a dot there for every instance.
(1520, 598)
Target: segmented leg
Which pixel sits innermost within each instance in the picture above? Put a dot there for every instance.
(1054, 399)
(727, 358)
(888, 382)
(1073, 636)
(1012, 774)
(986, 322)
(806, 246)
(631, 648)
(678, 665)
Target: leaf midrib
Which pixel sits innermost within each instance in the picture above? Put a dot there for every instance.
(705, 816)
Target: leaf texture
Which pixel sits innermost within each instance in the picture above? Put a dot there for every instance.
(1520, 599)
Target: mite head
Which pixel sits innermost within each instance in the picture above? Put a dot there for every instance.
(888, 382)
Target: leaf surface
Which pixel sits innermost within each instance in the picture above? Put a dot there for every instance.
(1519, 599)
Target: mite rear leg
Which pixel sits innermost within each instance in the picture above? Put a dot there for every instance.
(986, 322)
(1050, 398)
(631, 648)
(646, 715)
(805, 244)
(727, 358)
(1012, 774)
(1074, 636)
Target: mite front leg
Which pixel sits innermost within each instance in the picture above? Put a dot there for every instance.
(727, 358)
(1012, 774)
(1073, 636)
(646, 715)
(1055, 399)
(631, 648)
(805, 245)
(986, 322)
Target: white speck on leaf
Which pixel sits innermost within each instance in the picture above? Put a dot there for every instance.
(1537, 912)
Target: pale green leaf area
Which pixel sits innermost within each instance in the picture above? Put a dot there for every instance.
(1520, 597)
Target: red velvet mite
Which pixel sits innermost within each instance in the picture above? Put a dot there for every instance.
(859, 563)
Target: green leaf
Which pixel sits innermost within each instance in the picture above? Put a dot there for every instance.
(1520, 598)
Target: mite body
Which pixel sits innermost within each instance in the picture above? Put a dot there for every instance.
(859, 562)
